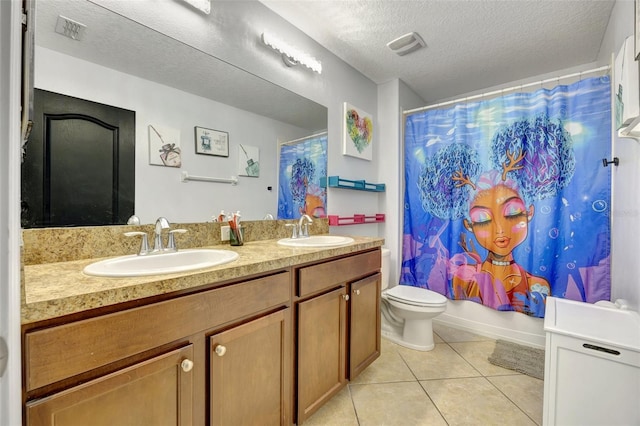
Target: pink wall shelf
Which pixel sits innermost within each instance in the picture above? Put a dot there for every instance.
(356, 219)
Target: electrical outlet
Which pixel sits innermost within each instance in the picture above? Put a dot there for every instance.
(224, 233)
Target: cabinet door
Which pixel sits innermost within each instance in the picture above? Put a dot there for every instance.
(251, 373)
(155, 392)
(321, 350)
(364, 322)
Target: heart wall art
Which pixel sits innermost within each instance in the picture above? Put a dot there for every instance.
(358, 133)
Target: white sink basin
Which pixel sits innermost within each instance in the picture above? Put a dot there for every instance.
(165, 263)
(316, 241)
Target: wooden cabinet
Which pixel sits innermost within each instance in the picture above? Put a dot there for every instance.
(364, 324)
(322, 328)
(338, 326)
(156, 392)
(265, 351)
(249, 373)
(148, 365)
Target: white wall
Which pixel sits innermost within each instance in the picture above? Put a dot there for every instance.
(625, 228)
(393, 97)
(159, 190)
(10, 40)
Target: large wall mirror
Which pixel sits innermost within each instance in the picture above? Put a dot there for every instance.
(121, 63)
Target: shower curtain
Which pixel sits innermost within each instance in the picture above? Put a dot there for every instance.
(507, 201)
(303, 164)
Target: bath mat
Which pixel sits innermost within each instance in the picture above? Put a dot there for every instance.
(520, 358)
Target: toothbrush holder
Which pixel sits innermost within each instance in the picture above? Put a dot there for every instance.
(236, 236)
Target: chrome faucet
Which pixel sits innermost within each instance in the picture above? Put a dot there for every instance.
(161, 223)
(303, 228)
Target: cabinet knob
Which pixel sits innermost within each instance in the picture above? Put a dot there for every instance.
(345, 296)
(220, 350)
(186, 365)
(357, 292)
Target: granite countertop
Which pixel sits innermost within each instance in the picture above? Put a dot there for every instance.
(51, 290)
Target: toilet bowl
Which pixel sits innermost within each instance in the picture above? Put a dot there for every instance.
(407, 311)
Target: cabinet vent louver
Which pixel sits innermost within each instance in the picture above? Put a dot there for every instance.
(70, 28)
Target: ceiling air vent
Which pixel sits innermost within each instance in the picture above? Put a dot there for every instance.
(70, 28)
(406, 44)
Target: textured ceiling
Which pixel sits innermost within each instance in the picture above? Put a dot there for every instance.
(471, 44)
(119, 43)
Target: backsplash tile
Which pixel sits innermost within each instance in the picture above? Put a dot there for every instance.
(50, 245)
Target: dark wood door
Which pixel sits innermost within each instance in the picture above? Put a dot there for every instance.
(322, 354)
(154, 392)
(79, 164)
(250, 382)
(364, 324)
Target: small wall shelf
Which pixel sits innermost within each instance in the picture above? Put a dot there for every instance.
(338, 182)
(357, 219)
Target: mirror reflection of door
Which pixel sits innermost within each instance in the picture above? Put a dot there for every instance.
(79, 165)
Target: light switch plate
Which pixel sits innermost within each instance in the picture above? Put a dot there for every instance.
(224, 233)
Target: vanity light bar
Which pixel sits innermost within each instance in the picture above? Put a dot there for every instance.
(202, 5)
(290, 55)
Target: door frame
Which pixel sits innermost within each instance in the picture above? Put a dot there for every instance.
(10, 233)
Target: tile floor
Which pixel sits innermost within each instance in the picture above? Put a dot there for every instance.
(453, 384)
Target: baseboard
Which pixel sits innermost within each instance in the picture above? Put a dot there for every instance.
(495, 331)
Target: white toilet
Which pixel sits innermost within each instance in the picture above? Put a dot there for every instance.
(407, 311)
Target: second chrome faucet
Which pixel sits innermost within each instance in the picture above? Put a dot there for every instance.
(158, 246)
(301, 230)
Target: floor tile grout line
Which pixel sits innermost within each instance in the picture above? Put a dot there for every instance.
(434, 403)
(506, 373)
(353, 403)
(512, 401)
(419, 381)
(484, 376)
(466, 360)
(422, 387)
(407, 365)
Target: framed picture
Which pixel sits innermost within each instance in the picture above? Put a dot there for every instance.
(637, 30)
(164, 146)
(357, 133)
(212, 142)
(248, 161)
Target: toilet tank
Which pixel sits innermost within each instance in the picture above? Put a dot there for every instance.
(384, 268)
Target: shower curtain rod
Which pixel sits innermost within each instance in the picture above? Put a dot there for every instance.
(304, 138)
(498, 92)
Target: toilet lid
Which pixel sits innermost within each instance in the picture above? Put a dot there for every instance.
(415, 295)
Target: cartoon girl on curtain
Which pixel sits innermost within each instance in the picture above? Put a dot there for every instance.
(499, 220)
(531, 159)
(308, 197)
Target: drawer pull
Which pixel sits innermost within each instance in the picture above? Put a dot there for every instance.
(357, 292)
(345, 296)
(220, 350)
(601, 349)
(187, 365)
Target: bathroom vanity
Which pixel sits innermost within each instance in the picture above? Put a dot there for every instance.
(265, 340)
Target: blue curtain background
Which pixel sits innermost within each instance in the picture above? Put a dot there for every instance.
(564, 133)
(302, 165)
